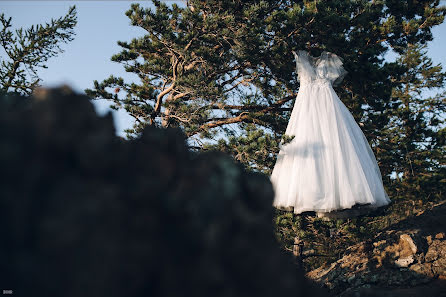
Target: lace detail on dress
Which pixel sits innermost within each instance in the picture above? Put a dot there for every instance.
(327, 66)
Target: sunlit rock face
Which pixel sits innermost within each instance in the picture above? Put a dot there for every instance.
(86, 213)
(407, 259)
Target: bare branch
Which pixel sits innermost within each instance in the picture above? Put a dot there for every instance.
(159, 98)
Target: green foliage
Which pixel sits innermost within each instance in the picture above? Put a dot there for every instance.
(412, 143)
(28, 50)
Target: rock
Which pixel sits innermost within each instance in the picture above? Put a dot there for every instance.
(85, 213)
(407, 255)
(429, 239)
(436, 255)
(405, 262)
(439, 236)
(406, 240)
(406, 252)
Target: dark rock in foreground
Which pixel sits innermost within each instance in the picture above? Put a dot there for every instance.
(85, 213)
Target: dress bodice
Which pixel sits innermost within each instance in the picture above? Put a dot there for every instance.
(325, 69)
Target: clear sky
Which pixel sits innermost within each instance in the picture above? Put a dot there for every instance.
(100, 25)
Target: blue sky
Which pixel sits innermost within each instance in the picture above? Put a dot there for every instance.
(100, 25)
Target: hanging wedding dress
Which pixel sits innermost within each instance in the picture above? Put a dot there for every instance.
(329, 165)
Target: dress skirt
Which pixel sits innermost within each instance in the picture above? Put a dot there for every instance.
(329, 164)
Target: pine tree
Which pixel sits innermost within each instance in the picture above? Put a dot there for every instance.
(28, 50)
(413, 146)
(223, 70)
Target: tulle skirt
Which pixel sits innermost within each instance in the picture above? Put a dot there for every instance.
(329, 165)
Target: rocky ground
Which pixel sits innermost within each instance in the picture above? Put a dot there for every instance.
(408, 259)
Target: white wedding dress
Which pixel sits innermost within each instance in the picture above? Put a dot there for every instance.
(329, 165)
